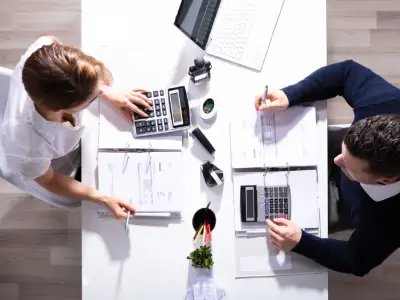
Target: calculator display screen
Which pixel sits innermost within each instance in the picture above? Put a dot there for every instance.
(176, 110)
(250, 203)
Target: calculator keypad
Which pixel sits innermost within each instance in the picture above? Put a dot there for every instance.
(276, 202)
(157, 120)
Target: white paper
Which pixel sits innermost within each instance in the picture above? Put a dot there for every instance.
(116, 133)
(280, 261)
(150, 180)
(274, 139)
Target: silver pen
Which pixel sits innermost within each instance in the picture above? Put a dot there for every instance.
(127, 219)
(264, 97)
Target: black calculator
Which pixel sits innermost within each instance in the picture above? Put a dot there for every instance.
(170, 113)
(258, 203)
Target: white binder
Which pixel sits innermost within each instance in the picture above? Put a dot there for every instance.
(274, 138)
(149, 179)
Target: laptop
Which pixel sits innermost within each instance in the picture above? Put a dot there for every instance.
(239, 31)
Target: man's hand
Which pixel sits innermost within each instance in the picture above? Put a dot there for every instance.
(286, 236)
(275, 100)
(126, 101)
(119, 208)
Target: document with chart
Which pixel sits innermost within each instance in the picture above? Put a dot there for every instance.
(150, 180)
(274, 138)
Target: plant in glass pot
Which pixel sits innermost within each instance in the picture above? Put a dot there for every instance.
(201, 257)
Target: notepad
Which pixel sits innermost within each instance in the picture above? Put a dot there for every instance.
(274, 139)
(152, 180)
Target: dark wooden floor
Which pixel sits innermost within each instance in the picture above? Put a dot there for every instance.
(40, 245)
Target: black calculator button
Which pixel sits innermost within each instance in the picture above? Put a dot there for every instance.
(148, 95)
(280, 189)
(276, 210)
(153, 128)
(285, 205)
(286, 211)
(157, 102)
(148, 123)
(275, 189)
(151, 114)
(276, 205)
(285, 189)
(281, 211)
(164, 112)
(163, 106)
(153, 122)
(162, 100)
(157, 106)
(141, 130)
(276, 194)
(165, 121)
(161, 93)
(140, 124)
(166, 126)
(160, 127)
(280, 200)
(155, 93)
(285, 200)
(159, 121)
(280, 205)
(158, 113)
(271, 206)
(148, 129)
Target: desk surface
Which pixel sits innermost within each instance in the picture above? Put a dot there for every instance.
(138, 42)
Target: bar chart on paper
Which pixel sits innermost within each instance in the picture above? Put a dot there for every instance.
(274, 139)
(148, 179)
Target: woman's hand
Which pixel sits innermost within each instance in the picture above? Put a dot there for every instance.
(126, 101)
(119, 208)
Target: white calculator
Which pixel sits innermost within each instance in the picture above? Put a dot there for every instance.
(170, 113)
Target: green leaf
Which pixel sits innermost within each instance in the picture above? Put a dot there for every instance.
(201, 257)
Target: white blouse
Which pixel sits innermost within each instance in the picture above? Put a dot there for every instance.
(31, 144)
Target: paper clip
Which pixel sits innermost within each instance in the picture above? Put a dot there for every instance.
(265, 175)
(126, 158)
(148, 164)
(287, 174)
(110, 168)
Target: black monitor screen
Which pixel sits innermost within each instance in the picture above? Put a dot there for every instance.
(195, 19)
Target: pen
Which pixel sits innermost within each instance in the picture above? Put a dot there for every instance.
(264, 97)
(127, 218)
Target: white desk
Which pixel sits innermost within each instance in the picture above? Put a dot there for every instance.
(150, 262)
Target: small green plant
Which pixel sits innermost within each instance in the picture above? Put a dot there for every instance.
(201, 258)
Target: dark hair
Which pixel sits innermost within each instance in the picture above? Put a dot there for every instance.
(60, 77)
(377, 141)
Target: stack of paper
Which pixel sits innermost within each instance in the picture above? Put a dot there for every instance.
(274, 139)
(150, 179)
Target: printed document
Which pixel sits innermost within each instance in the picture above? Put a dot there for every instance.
(274, 139)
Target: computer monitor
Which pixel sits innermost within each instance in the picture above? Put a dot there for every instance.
(195, 19)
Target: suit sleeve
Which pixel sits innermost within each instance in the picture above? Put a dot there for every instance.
(348, 79)
(369, 245)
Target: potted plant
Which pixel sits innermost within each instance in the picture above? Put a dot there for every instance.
(201, 258)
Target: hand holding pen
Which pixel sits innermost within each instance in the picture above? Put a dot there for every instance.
(271, 100)
(119, 208)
